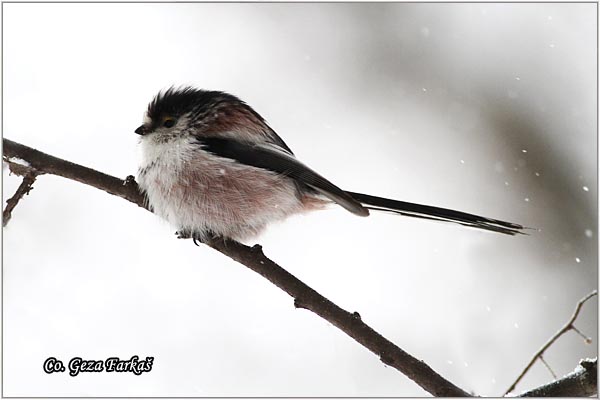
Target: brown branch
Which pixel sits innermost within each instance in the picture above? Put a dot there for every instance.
(254, 258)
(45, 163)
(24, 188)
(583, 381)
(567, 327)
(350, 323)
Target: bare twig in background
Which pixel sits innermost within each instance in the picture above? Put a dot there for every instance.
(567, 327)
(583, 381)
(24, 188)
(543, 360)
(254, 258)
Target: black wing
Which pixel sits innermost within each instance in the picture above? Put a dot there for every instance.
(273, 158)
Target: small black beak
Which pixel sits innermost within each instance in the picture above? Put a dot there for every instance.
(142, 130)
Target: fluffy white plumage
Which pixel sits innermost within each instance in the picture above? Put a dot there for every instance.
(201, 193)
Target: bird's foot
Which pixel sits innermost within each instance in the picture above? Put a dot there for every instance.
(183, 234)
(205, 237)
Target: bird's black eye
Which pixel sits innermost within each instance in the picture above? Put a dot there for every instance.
(169, 123)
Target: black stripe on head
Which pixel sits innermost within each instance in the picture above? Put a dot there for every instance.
(179, 101)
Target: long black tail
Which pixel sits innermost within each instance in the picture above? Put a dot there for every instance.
(436, 214)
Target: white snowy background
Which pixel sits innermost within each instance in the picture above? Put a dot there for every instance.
(485, 108)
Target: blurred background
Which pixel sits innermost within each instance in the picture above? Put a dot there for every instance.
(486, 108)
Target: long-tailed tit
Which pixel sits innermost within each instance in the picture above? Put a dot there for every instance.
(212, 166)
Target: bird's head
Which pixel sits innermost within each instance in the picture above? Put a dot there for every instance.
(190, 111)
(172, 112)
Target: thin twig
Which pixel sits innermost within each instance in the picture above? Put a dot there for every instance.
(586, 339)
(254, 258)
(582, 382)
(567, 327)
(24, 188)
(543, 360)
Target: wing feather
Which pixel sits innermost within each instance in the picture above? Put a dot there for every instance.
(276, 159)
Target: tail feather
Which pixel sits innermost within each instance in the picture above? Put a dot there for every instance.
(436, 214)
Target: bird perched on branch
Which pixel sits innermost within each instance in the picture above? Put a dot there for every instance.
(212, 166)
